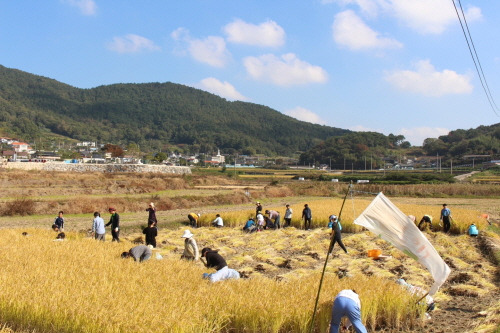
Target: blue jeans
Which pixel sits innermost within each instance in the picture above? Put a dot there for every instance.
(343, 306)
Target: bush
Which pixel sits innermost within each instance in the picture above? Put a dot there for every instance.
(23, 206)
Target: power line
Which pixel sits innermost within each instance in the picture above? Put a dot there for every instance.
(475, 57)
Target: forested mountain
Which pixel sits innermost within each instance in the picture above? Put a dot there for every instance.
(152, 115)
(483, 140)
(356, 148)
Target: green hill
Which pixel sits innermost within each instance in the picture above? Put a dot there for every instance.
(152, 115)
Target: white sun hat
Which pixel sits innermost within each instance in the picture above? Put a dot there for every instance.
(187, 234)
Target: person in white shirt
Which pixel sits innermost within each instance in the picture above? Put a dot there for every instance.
(288, 216)
(218, 222)
(347, 303)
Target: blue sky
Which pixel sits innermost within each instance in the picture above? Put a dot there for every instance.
(391, 66)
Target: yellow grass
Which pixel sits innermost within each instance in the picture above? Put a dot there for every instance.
(80, 285)
(322, 209)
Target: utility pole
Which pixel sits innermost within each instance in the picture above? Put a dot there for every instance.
(451, 166)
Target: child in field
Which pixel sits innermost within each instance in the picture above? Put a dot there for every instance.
(59, 222)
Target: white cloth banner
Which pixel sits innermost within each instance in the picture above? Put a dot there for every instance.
(384, 219)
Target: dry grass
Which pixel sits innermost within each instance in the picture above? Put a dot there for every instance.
(322, 209)
(74, 286)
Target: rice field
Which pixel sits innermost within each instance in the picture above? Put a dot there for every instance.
(322, 209)
(81, 285)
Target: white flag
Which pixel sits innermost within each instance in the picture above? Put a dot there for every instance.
(383, 218)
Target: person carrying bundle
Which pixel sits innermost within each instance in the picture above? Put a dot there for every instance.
(337, 234)
(425, 219)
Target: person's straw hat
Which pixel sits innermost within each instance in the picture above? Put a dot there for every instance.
(187, 234)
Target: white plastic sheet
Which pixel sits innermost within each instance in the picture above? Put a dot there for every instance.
(384, 219)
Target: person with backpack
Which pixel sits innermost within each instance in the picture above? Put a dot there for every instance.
(336, 233)
(445, 217)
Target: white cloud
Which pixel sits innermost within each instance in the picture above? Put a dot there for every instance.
(222, 89)
(284, 71)
(424, 16)
(265, 34)
(303, 114)
(417, 135)
(350, 31)
(427, 81)
(211, 50)
(132, 44)
(86, 7)
(428, 16)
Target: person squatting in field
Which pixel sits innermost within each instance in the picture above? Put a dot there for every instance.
(347, 304)
(276, 216)
(191, 251)
(114, 221)
(152, 214)
(336, 233)
(250, 226)
(98, 229)
(139, 253)
(445, 217)
(215, 260)
(218, 222)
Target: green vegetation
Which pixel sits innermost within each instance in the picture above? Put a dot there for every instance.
(150, 116)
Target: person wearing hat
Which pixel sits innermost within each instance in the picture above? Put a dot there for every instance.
(98, 227)
(218, 222)
(307, 217)
(288, 216)
(347, 304)
(258, 208)
(114, 221)
(215, 260)
(193, 219)
(336, 233)
(152, 214)
(190, 247)
(139, 253)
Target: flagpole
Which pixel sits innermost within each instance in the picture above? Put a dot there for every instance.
(326, 261)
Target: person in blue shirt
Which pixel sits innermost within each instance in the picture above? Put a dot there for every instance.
(250, 226)
(473, 232)
(98, 227)
(445, 217)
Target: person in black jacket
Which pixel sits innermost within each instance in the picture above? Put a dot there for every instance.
(307, 217)
(336, 236)
(152, 214)
(215, 260)
(151, 232)
(114, 221)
